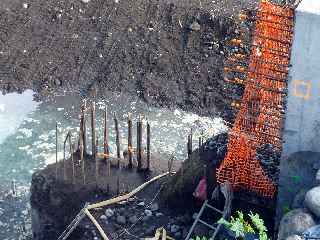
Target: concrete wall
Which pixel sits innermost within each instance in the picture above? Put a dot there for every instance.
(302, 124)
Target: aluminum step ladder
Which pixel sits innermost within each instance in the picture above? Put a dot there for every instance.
(226, 190)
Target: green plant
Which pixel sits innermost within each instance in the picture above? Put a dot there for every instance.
(241, 227)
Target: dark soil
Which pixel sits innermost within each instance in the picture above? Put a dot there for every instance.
(169, 53)
(56, 202)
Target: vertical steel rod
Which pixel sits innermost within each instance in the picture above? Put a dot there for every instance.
(148, 146)
(116, 124)
(84, 132)
(73, 167)
(105, 135)
(130, 141)
(139, 143)
(56, 150)
(97, 160)
(93, 129)
(82, 139)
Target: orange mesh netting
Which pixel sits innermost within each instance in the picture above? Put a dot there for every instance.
(259, 119)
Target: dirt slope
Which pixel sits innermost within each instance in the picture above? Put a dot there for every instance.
(168, 52)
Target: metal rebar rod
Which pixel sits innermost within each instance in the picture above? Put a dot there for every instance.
(139, 138)
(56, 150)
(188, 146)
(191, 139)
(97, 159)
(118, 184)
(105, 135)
(130, 141)
(116, 124)
(148, 146)
(73, 165)
(64, 155)
(81, 144)
(93, 129)
(84, 132)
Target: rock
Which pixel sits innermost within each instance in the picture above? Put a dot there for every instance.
(312, 232)
(141, 204)
(185, 219)
(318, 177)
(269, 158)
(159, 214)
(150, 230)
(57, 82)
(174, 228)
(195, 26)
(299, 199)
(195, 215)
(316, 165)
(145, 218)
(103, 217)
(109, 212)
(121, 220)
(295, 222)
(312, 200)
(148, 213)
(154, 207)
(122, 210)
(294, 237)
(177, 235)
(133, 219)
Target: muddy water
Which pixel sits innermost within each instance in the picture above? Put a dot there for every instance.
(27, 140)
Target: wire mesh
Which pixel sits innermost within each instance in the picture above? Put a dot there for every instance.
(260, 117)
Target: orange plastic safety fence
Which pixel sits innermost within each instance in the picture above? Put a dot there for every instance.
(260, 116)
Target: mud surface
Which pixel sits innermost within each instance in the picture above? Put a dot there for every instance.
(167, 52)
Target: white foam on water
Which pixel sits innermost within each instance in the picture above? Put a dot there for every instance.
(14, 108)
(27, 133)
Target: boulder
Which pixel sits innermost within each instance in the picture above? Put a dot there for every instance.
(154, 207)
(121, 220)
(195, 26)
(318, 177)
(109, 212)
(295, 222)
(312, 200)
(294, 237)
(298, 201)
(133, 219)
(313, 232)
(148, 213)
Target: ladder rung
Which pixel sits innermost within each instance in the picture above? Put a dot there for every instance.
(213, 208)
(207, 224)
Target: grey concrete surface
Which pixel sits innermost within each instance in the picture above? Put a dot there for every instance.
(302, 124)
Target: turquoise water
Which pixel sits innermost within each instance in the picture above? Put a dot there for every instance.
(27, 135)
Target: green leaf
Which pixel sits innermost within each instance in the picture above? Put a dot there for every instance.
(224, 222)
(238, 228)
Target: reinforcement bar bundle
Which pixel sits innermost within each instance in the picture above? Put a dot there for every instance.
(259, 120)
